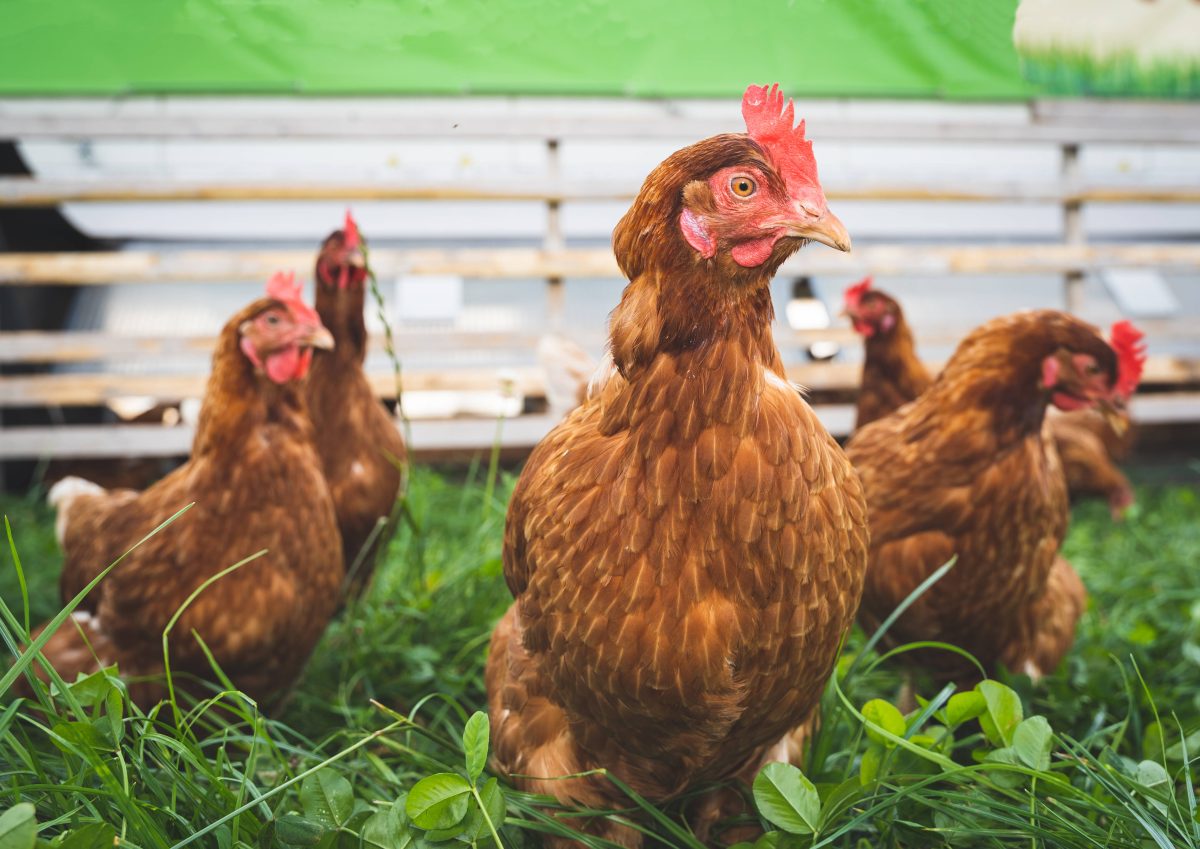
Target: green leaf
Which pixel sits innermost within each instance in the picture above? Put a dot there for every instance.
(81, 735)
(868, 769)
(327, 798)
(1032, 742)
(386, 829)
(787, 799)
(96, 835)
(965, 706)
(888, 717)
(1142, 634)
(1003, 714)
(114, 712)
(18, 827)
(438, 801)
(493, 802)
(295, 830)
(1152, 775)
(475, 744)
(92, 689)
(769, 840)
(1007, 778)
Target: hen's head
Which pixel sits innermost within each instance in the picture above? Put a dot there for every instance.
(736, 204)
(279, 335)
(873, 313)
(341, 264)
(1083, 370)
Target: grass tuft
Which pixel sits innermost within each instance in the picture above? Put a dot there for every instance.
(380, 745)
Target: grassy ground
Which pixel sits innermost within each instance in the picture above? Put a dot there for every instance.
(376, 748)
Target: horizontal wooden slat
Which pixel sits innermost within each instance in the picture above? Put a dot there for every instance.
(90, 389)
(134, 440)
(497, 263)
(529, 118)
(88, 346)
(23, 191)
(67, 346)
(87, 389)
(428, 437)
(432, 437)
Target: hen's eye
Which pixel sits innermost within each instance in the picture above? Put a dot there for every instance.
(1092, 369)
(743, 187)
(272, 319)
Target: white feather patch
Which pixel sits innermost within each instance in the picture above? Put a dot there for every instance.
(602, 375)
(61, 496)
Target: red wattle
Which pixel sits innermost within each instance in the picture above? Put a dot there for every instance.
(753, 253)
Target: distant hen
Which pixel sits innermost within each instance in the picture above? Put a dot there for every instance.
(256, 481)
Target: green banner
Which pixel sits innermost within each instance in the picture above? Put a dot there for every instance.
(959, 49)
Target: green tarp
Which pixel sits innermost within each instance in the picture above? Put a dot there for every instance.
(958, 49)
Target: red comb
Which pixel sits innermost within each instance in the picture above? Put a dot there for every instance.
(769, 122)
(855, 291)
(283, 287)
(1126, 340)
(350, 232)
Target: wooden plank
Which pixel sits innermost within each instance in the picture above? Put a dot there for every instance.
(429, 438)
(530, 118)
(509, 263)
(25, 192)
(126, 440)
(89, 346)
(433, 438)
(93, 389)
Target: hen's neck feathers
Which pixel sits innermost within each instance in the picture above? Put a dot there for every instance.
(238, 401)
(892, 359)
(341, 311)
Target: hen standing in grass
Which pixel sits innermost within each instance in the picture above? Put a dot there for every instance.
(256, 481)
(687, 548)
(361, 449)
(1089, 444)
(966, 471)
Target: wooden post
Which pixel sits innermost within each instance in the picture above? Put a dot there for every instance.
(1073, 231)
(554, 241)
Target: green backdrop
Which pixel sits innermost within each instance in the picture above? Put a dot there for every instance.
(887, 48)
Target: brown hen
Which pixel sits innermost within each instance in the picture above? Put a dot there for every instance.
(256, 482)
(686, 548)
(1089, 444)
(361, 449)
(966, 470)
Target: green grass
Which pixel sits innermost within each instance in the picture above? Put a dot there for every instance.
(1108, 763)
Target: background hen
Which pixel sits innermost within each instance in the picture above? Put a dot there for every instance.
(964, 471)
(361, 449)
(686, 549)
(1089, 444)
(256, 481)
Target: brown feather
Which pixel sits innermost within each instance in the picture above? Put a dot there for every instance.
(361, 449)
(966, 470)
(256, 482)
(687, 548)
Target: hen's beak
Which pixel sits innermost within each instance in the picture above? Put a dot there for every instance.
(1113, 416)
(828, 230)
(317, 337)
(355, 259)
